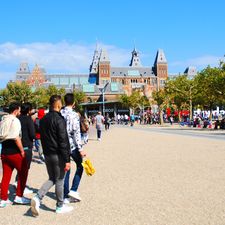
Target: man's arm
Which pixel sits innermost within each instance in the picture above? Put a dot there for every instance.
(63, 140)
(77, 135)
(20, 146)
(31, 129)
(75, 121)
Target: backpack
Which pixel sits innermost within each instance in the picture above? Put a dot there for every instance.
(84, 127)
(5, 127)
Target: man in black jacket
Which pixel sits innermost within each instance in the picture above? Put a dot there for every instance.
(28, 136)
(56, 149)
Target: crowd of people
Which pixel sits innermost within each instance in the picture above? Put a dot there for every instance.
(58, 135)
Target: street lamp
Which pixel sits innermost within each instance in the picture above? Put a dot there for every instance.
(103, 89)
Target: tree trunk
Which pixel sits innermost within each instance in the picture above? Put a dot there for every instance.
(179, 117)
(191, 109)
(161, 116)
(210, 116)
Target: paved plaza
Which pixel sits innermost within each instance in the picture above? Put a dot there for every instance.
(144, 176)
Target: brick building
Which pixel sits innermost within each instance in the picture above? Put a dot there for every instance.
(120, 80)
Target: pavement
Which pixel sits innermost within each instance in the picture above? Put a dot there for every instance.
(144, 176)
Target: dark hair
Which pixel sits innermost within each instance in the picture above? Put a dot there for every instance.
(69, 99)
(13, 106)
(53, 99)
(26, 108)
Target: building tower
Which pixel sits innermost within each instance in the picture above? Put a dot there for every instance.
(161, 68)
(37, 78)
(94, 67)
(104, 68)
(23, 72)
(135, 60)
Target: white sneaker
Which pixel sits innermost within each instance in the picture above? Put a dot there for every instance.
(75, 195)
(64, 209)
(35, 205)
(28, 191)
(66, 200)
(21, 200)
(4, 203)
(99, 139)
(69, 200)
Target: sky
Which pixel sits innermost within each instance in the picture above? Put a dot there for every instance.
(61, 35)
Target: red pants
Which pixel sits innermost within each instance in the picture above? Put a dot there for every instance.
(9, 163)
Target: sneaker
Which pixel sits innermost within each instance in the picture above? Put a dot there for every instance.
(66, 200)
(4, 203)
(21, 200)
(27, 191)
(69, 200)
(99, 139)
(35, 205)
(75, 195)
(64, 209)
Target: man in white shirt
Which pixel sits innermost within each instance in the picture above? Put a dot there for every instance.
(99, 119)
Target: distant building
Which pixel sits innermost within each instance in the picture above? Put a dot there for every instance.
(122, 80)
(190, 71)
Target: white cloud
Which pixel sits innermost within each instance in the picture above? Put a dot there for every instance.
(199, 62)
(60, 57)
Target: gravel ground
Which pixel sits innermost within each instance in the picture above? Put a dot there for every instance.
(142, 178)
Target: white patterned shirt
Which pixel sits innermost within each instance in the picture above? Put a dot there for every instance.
(73, 128)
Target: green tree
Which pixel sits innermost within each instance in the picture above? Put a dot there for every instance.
(162, 100)
(20, 92)
(79, 98)
(135, 101)
(210, 83)
(182, 92)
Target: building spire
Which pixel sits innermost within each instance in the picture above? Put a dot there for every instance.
(95, 60)
(135, 59)
(160, 57)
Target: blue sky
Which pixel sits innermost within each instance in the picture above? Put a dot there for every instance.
(61, 35)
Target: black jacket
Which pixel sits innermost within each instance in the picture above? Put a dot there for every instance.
(54, 137)
(28, 131)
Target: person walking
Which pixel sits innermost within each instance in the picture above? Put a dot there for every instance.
(13, 157)
(28, 136)
(84, 128)
(56, 149)
(107, 122)
(77, 153)
(99, 119)
(38, 146)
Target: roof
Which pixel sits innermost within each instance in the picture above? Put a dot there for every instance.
(131, 72)
(99, 103)
(160, 57)
(190, 71)
(135, 60)
(104, 56)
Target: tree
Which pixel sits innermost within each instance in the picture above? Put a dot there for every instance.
(19, 92)
(41, 98)
(210, 83)
(162, 100)
(182, 92)
(134, 101)
(79, 98)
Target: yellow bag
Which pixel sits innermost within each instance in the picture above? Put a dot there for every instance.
(88, 167)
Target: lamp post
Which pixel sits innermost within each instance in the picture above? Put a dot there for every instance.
(103, 89)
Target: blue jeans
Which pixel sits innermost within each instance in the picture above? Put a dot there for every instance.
(99, 132)
(77, 177)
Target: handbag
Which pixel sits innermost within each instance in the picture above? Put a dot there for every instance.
(88, 167)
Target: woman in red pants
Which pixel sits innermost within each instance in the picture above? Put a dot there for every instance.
(13, 157)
